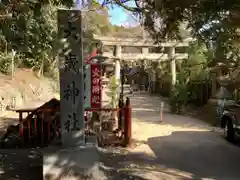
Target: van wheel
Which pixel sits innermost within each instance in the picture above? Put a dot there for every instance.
(229, 132)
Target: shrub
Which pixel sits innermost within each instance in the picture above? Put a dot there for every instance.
(6, 62)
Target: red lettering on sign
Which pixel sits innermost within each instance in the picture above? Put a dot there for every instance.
(96, 91)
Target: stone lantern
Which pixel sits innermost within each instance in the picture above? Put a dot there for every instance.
(209, 112)
(216, 72)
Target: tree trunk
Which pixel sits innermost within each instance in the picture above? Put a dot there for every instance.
(40, 72)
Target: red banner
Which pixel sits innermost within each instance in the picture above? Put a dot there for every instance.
(96, 90)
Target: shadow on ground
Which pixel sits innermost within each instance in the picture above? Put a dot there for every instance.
(135, 166)
(5, 122)
(85, 164)
(20, 164)
(202, 154)
(182, 155)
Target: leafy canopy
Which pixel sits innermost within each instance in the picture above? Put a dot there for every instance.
(164, 17)
(214, 22)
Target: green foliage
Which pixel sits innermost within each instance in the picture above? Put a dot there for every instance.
(181, 93)
(113, 91)
(214, 22)
(6, 62)
(203, 18)
(97, 19)
(32, 32)
(195, 67)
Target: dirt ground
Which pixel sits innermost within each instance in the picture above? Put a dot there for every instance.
(16, 164)
(181, 147)
(28, 90)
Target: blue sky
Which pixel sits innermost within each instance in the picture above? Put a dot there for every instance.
(119, 16)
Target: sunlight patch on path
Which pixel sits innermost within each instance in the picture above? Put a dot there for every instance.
(144, 149)
(167, 174)
(143, 109)
(142, 131)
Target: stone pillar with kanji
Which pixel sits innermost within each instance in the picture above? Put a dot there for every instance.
(71, 77)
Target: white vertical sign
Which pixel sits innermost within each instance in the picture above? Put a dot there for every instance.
(87, 86)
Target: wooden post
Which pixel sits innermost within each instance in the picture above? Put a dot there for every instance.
(161, 111)
(120, 113)
(20, 122)
(35, 127)
(49, 130)
(42, 128)
(128, 123)
(121, 102)
(29, 127)
(214, 84)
